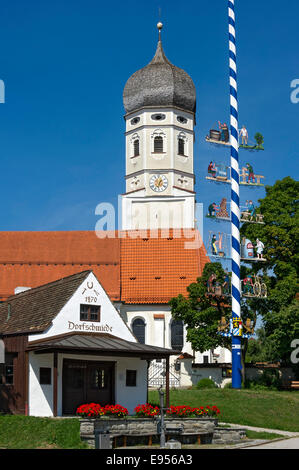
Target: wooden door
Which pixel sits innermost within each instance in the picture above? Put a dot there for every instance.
(86, 382)
(100, 383)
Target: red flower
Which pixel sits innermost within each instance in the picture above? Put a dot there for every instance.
(94, 410)
(147, 410)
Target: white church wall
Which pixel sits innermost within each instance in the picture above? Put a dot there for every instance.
(158, 333)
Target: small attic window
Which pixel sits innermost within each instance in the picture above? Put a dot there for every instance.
(90, 312)
(135, 121)
(158, 117)
(182, 119)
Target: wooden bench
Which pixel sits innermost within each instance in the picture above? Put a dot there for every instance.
(115, 437)
(125, 436)
(290, 385)
(294, 385)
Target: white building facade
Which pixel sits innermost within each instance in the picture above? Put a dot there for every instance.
(79, 351)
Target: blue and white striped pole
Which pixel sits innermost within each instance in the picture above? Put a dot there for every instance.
(235, 204)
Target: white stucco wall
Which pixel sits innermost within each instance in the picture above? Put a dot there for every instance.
(41, 396)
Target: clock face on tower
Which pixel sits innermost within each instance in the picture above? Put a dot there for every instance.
(158, 183)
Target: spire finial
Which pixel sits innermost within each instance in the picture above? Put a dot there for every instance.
(160, 26)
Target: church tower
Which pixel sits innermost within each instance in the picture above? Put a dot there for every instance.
(160, 105)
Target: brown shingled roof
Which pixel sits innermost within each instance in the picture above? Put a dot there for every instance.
(32, 311)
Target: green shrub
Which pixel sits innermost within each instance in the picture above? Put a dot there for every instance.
(254, 385)
(269, 380)
(206, 383)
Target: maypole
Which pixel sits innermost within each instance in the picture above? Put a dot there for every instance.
(235, 205)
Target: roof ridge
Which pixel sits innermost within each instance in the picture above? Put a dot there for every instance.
(48, 284)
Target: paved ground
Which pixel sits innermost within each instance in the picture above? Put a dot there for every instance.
(274, 431)
(292, 443)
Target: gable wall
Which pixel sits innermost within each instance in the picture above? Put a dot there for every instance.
(68, 320)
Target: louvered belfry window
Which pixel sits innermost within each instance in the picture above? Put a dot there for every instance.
(181, 147)
(158, 144)
(136, 147)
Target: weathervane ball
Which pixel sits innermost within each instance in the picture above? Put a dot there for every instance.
(160, 25)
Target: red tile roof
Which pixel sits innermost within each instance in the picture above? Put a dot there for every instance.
(31, 259)
(134, 270)
(153, 270)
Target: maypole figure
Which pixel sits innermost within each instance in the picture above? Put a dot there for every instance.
(259, 249)
(244, 135)
(251, 209)
(214, 243)
(235, 204)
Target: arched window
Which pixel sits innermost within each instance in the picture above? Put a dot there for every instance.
(177, 335)
(136, 147)
(138, 327)
(158, 144)
(181, 146)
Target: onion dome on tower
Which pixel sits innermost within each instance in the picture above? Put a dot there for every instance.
(159, 84)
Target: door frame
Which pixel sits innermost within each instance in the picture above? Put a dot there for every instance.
(87, 362)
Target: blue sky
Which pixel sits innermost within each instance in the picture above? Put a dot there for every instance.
(65, 63)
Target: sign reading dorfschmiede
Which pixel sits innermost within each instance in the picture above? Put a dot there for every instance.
(89, 327)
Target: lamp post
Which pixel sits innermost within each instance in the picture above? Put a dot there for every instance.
(162, 426)
(235, 204)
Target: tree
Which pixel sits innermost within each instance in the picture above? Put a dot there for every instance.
(202, 312)
(280, 235)
(273, 343)
(259, 139)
